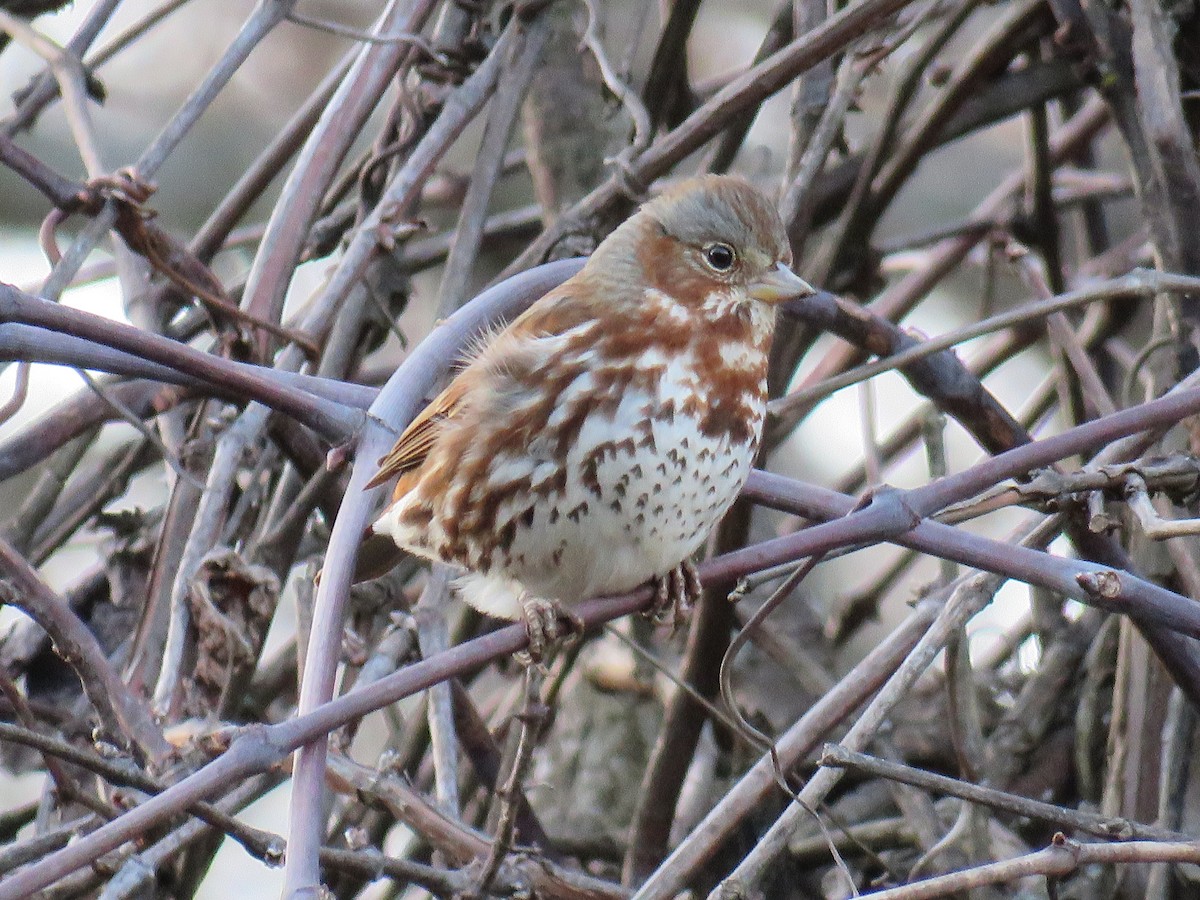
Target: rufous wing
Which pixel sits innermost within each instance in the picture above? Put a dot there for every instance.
(414, 444)
(554, 313)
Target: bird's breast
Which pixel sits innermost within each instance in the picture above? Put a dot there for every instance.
(599, 466)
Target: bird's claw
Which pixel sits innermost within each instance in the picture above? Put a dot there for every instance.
(550, 627)
(675, 593)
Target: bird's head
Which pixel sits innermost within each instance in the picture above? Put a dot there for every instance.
(708, 239)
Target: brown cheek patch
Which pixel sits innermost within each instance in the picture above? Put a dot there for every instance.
(661, 261)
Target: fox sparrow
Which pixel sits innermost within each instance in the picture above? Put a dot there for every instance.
(591, 445)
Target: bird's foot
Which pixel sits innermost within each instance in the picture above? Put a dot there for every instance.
(550, 627)
(675, 593)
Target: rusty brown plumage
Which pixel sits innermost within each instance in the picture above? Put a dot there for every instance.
(591, 445)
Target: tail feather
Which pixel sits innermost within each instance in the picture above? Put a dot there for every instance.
(377, 555)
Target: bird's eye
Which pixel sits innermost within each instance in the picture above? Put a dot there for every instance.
(720, 257)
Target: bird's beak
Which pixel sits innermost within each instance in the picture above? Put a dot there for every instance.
(779, 283)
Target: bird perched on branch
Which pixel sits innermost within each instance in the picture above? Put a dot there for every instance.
(592, 445)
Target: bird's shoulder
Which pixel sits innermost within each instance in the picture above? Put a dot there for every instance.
(568, 306)
(508, 355)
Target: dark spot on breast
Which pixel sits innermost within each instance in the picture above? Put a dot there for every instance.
(418, 516)
(506, 535)
(590, 475)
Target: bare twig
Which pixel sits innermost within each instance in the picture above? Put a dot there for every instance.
(1090, 823)
(1061, 858)
(115, 702)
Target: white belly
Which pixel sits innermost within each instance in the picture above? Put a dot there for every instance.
(639, 513)
(642, 487)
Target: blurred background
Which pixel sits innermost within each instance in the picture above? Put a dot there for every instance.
(145, 84)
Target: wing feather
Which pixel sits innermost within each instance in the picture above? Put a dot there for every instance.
(414, 444)
(556, 312)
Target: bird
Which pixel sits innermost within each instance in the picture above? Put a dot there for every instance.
(591, 445)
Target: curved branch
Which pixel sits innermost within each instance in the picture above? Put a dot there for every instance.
(329, 419)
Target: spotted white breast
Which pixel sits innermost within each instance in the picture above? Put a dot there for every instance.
(587, 470)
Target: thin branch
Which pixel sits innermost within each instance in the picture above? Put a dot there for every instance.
(115, 702)
(1089, 823)
(1061, 858)
(329, 419)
